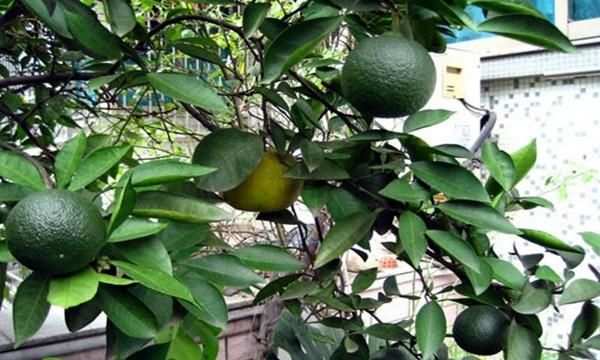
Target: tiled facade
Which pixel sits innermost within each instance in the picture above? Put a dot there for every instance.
(561, 109)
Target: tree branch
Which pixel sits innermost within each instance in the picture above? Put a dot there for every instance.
(49, 78)
(23, 124)
(202, 118)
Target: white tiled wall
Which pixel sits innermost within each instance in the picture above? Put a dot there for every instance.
(563, 114)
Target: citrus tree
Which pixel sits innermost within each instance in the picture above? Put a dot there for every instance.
(292, 99)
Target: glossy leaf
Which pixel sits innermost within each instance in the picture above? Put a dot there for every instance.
(114, 280)
(209, 304)
(506, 273)
(135, 228)
(223, 270)
(126, 312)
(593, 240)
(188, 89)
(545, 272)
(342, 203)
(546, 240)
(328, 170)
(512, 7)
(499, 164)
(166, 171)
(54, 19)
(123, 204)
(147, 252)
(425, 118)
(430, 326)
(521, 343)
(160, 305)
(97, 164)
(523, 160)
(268, 258)
(345, 233)
(274, 287)
(155, 279)
(73, 289)
(299, 289)
(68, 159)
(294, 43)
(364, 280)
(480, 281)
(453, 150)
(120, 16)
(10, 192)
(183, 347)
(198, 52)
(478, 214)
(235, 154)
(456, 247)
(78, 317)
(530, 29)
(401, 190)
(19, 170)
(411, 230)
(254, 15)
(163, 205)
(312, 155)
(89, 32)
(580, 290)
(388, 331)
(30, 306)
(533, 299)
(454, 181)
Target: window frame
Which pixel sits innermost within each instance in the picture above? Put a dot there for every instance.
(579, 32)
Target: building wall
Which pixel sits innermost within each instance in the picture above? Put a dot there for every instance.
(554, 98)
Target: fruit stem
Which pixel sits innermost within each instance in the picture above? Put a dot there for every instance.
(401, 21)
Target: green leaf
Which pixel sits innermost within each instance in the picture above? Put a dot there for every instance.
(312, 154)
(411, 230)
(19, 170)
(342, 203)
(163, 205)
(210, 306)
(454, 181)
(364, 280)
(73, 289)
(183, 347)
(546, 240)
(55, 20)
(401, 190)
(523, 160)
(481, 281)
(97, 164)
(478, 214)
(188, 89)
(506, 273)
(223, 270)
(430, 328)
(454, 13)
(89, 32)
(387, 331)
(545, 272)
(114, 280)
(10, 192)
(586, 323)
(254, 15)
(78, 317)
(425, 118)
(593, 240)
(120, 16)
(123, 204)
(166, 171)
(155, 279)
(126, 312)
(235, 154)
(346, 232)
(148, 252)
(530, 29)
(275, 286)
(198, 52)
(68, 159)
(533, 299)
(328, 170)
(5, 257)
(521, 343)
(135, 228)
(580, 290)
(499, 164)
(530, 202)
(299, 289)
(294, 43)
(268, 258)
(453, 150)
(456, 247)
(30, 306)
(160, 305)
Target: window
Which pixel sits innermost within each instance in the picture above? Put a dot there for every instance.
(578, 19)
